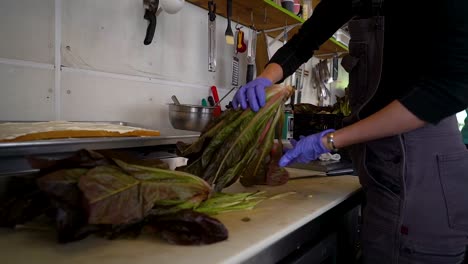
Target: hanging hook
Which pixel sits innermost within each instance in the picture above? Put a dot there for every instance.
(238, 26)
(252, 19)
(285, 36)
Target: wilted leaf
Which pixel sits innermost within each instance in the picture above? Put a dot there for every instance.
(130, 230)
(71, 219)
(190, 228)
(62, 186)
(160, 186)
(133, 158)
(113, 196)
(195, 168)
(72, 225)
(80, 159)
(276, 175)
(120, 195)
(21, 209)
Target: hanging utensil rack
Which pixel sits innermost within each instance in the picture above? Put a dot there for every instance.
(271, 18)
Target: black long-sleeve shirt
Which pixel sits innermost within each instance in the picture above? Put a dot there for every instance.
(425, 64)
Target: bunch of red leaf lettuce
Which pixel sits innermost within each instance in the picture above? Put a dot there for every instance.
(90, 193)
(240, 144)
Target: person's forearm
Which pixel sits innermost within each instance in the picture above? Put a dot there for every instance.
(272, 72)
(391, 120)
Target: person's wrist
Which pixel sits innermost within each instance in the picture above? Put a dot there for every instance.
(330, 137)
(266, 79)
(324, 140)
(273, 72)
(325, 145)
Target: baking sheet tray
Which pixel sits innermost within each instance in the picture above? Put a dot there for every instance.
(9, 149)
(13, 154)
(120, 123)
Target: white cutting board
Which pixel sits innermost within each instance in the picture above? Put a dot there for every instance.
(269, 221)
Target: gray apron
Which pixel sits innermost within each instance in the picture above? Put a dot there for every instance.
(416, 184)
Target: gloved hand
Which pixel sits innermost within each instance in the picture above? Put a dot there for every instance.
(252, 94)
(306, 149)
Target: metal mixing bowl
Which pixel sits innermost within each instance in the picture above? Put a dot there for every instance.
(190, 117)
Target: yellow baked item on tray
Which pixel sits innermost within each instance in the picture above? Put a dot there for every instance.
(28, 131)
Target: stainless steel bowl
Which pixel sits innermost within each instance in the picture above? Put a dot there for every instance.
(190, 117)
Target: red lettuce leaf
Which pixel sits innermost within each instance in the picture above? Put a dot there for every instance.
(72, 225)
(190, 228)
(62, 186)
(71, 219)
(276, 175)
(125, 194)
(113, 197)
(24, 208)
(167, 187)
(80, 159)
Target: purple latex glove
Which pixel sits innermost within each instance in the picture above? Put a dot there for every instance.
(252, 94)
(306, 149)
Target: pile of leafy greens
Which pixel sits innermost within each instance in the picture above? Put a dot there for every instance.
(97, 193)
(241, 144)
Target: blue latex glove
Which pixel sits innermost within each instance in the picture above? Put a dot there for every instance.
(306, 149)
(252, 95)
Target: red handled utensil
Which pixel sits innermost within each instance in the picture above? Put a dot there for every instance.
(217, 110)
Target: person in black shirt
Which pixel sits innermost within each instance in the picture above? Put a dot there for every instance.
(408, 65)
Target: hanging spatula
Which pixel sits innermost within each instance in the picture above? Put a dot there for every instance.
(211, 36)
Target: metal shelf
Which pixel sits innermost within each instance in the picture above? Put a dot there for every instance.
(13, 156)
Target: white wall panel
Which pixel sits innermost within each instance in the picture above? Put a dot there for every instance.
(27, 30)
(26, 93)
(107, 35)
(88, 97)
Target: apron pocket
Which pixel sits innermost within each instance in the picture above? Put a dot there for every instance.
(453, 173)
(431, 252)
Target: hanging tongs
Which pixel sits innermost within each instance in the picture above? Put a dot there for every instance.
(151, 11)
(211, 36)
